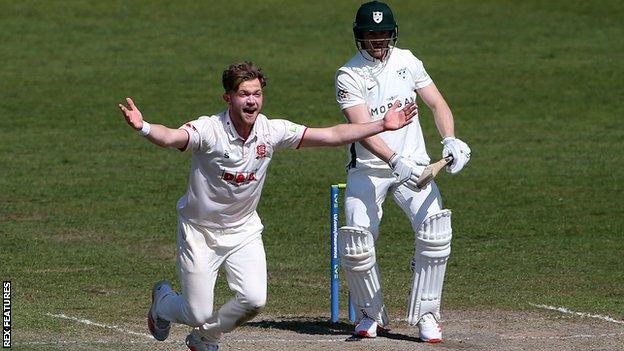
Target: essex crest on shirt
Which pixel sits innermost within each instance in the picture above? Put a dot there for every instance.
(261, 151)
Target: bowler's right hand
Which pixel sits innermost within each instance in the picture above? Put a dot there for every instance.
(133, 116)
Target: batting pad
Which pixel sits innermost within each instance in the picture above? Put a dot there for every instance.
(433, 247)
(357, 258)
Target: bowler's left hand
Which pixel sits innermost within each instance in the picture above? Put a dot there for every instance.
(396, 119)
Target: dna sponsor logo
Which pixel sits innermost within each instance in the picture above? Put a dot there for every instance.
(238, 178)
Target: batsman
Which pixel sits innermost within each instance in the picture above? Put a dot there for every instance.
(389, 164)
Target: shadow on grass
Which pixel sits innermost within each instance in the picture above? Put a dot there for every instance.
(320, 326)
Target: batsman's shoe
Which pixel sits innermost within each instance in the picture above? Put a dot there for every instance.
(195, 342)
(157, 326)
(430, 330)
(367, 328)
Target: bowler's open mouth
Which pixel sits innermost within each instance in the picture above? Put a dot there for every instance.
(250, 110)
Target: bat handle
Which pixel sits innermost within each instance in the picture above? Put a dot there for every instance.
(449, 159)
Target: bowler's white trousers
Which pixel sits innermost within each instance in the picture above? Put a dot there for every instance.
(200, 253)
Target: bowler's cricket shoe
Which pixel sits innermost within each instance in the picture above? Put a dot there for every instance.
(430, 330)
(157, 326)
(195, 342)
(367, 328)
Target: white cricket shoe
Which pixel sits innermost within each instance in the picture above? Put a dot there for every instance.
(157, 326)
(430, 330)
(367, 328)
(195, 342)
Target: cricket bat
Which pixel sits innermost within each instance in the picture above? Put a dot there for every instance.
(431, 171)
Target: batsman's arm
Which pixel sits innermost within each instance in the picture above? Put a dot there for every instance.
(156, 133)
(441, 112)
(374, 144)
(342, 134)
(446, 126)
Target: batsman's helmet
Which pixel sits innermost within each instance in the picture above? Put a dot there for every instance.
(374, 16)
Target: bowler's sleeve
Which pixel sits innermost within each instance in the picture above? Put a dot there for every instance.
(419, 74)
(201, 135)
(348, 92)
(286, 134)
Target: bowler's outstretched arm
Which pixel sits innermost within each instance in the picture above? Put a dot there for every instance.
(342, 134)
(156, 133)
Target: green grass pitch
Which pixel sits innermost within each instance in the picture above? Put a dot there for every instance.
(87, 207)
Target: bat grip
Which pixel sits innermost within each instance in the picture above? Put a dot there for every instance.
(449, 159)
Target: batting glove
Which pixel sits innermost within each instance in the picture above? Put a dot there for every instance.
(404, 170)
(460, 152)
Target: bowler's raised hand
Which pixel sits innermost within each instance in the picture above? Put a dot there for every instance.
(398, 119)
(131, 113)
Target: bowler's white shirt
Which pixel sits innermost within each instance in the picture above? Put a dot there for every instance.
(227, 172)
(364, 80)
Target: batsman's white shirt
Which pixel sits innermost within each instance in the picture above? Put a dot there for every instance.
(364, 80)
(228, 172)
